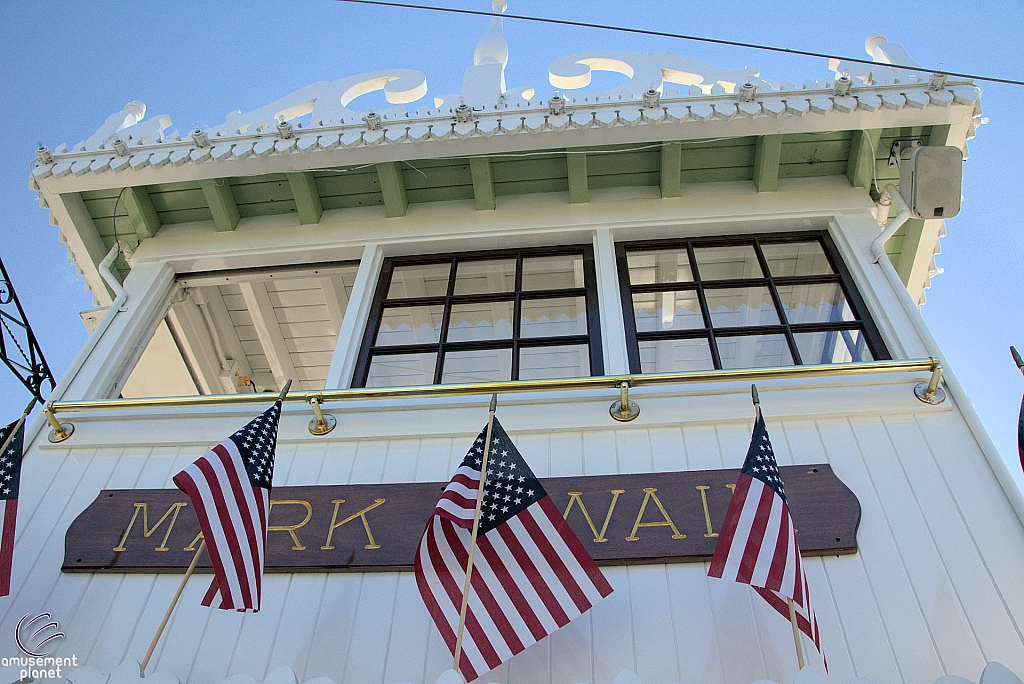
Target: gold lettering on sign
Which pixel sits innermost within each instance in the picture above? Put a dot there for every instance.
(649, 493)
(290, 529)
(574, 497)
(192, 546)
(146, 530)
(707, 516)
(732, 488)
(361, 514)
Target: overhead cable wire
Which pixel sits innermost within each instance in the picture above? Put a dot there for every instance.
(680, 36)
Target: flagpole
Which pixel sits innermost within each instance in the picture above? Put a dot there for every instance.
(792, 607)
(1017, 359)
(188, 573)
(476, 526)
(796, 635)
(28, 410)
(170, 608)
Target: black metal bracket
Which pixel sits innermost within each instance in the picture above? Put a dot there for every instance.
(19, 349)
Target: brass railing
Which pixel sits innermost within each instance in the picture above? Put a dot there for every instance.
(623, 409)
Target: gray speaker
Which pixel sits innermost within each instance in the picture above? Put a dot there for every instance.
(930, 179)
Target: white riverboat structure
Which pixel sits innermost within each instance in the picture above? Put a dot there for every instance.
(666, 243)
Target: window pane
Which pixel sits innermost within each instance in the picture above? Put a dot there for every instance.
(397, 370)
(484, 321)
(754, 351)
(675, 356)
(480, 277)
(796, 259)
(741, 307)
(539, 363)
(410, 325)
(823, 303)
(663, 266)
(481, 365)
(679, 310)
(721, 263)
(552, 273)
(553, 317)
(419, 281)
(837, 346)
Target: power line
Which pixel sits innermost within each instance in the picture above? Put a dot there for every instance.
(680, 36)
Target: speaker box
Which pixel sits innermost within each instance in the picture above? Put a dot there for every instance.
(930, 179)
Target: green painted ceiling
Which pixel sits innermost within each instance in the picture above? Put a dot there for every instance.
(434, 180)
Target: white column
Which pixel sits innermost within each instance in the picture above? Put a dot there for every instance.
(853, 234)
(102, 366)
(613, 331)
(346, 351)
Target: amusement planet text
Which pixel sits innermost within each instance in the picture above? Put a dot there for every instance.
(49, 667)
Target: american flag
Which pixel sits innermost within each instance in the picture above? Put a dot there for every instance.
(531, 575)
(10, 477)
(230, 490)
(757, 544)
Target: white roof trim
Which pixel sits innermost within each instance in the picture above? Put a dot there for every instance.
(688, 116)
(318, 118)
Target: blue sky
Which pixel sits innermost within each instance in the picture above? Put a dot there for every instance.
(65, 67)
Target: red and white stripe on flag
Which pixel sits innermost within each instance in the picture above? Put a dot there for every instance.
(229, 488)
(8, 522)
(233, 517)
(12, 438)
(763, 552)
(531, 574)
(758, 544)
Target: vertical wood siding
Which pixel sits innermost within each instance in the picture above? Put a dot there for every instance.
(935, 588)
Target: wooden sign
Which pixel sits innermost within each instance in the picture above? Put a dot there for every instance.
(621, 519)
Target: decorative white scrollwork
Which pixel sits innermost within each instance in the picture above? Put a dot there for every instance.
(128, 126)
(882, 52)
(327, 101)
(647, 70)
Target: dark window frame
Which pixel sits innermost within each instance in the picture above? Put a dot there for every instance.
(589, 291)
(840, 275)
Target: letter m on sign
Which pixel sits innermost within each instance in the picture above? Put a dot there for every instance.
(147, 531)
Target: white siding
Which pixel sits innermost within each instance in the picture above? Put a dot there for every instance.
(934, 589)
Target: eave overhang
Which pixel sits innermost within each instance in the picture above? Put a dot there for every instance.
(322, 156)
(530, 128)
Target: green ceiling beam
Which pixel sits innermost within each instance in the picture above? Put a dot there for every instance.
(767, 153)
(141, 212)
(483, 182)
(939, 135)
(307, 197)
(392, 186)
(860, 169)
(671, 155)
(578, 189)
(222, 203)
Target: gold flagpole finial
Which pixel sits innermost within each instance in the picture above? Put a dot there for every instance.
(754, 395)
(284, 390)
(1017, 359)
(494, 402)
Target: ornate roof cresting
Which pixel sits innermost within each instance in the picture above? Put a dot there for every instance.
(663, 88)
